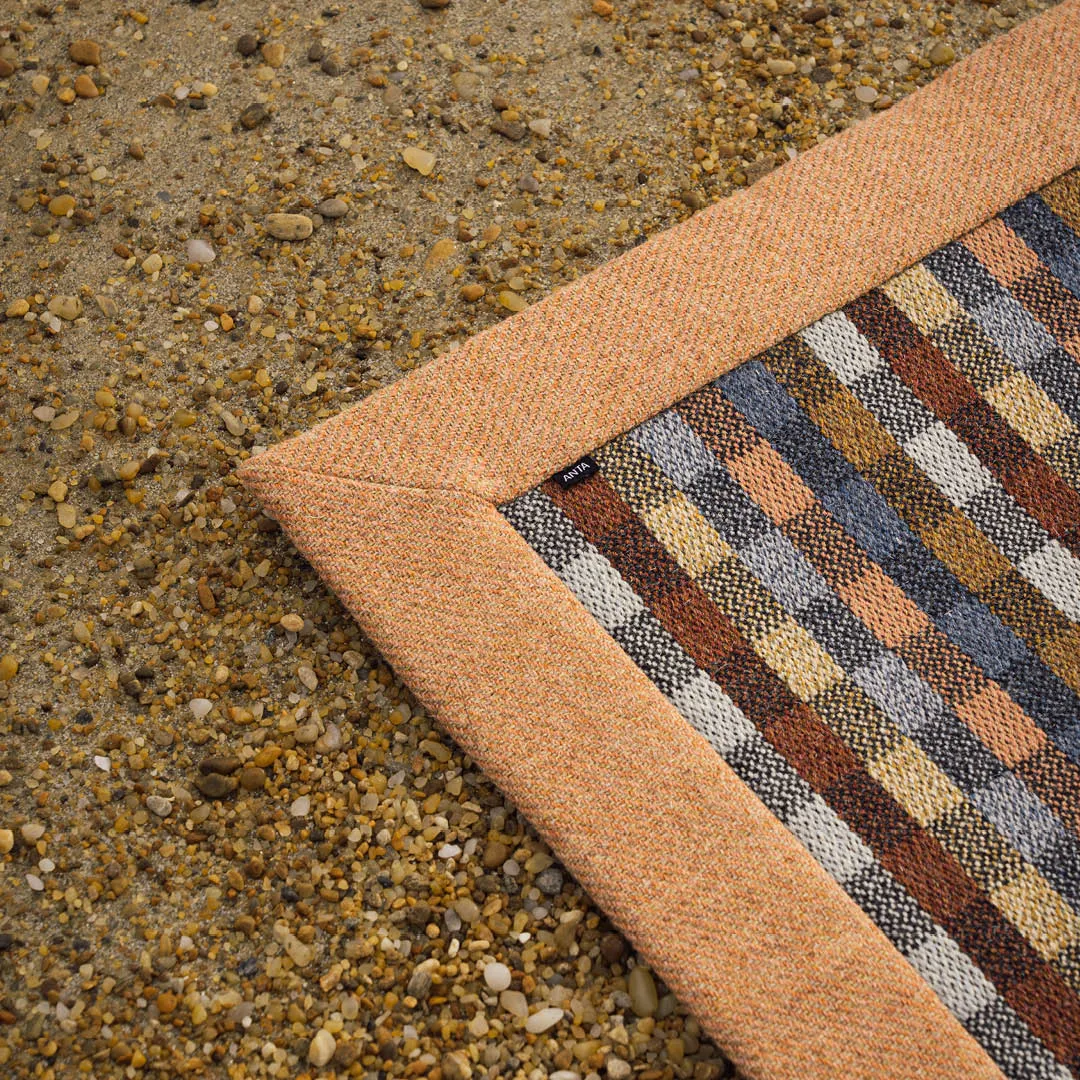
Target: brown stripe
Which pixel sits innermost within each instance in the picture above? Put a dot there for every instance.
(914, 856)
(952, 398)
(1044, 297)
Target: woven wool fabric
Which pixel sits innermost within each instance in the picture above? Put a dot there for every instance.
(851, 563)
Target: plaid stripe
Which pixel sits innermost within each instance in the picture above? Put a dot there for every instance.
(852, 565)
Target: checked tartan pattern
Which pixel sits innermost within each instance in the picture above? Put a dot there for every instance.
(853, 564)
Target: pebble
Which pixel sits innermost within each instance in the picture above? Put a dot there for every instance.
(9, 667)
(255, 115)
(467, 84)
(541, 127)
(32, 832)
(292, 622)
(942, 53)
(247, 44)
(434, 5)
(423, 161)
(85, 87)
(642, 990)
(780, 67)
(472, 292)
(456, 1064)
(514, 1002)
(301, 807)
(497, 976)
(199, 251)
(216, 786)
(273, 54)
(152, 264)
(85, 52)
(333, 208)
(617, 1068)
(200, 707)
(509, 129)
(544, 1020)
(322, 1048)
(68, 308)
(550, 881)
(7, 841)
(62, 205)
(156, 804)
(289, 226)
(16, 310)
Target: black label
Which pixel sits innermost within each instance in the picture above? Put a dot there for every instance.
(582, 469)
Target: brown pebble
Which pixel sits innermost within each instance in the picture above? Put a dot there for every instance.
(434, 5)
(509, 129)
(219, 763)
(206, 596)
(7, 68)
(247, 44)
(472, 292)
(815, 14)
(85, 87)
(495, 854)
(216, 786)
(252, 778)
(85, 52)
(612, 948)
(254, 116)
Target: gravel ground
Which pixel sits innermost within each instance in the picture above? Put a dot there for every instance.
(231, 844)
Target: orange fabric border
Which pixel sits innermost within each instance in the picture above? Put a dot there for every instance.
(394, 501)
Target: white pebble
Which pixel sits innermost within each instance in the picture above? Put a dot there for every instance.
(35, 882)
(322, 1048)
(543, 1020)
(515, 1003)
(564, 1074)
(32, 832)
(497, 976)
(300, 807)
(449, 851)
(200, 706)
(199, 251)
(46, 866)
(102, 762)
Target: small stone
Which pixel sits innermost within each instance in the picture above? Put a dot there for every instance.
(292, 622)
(200, 707)
(472, 292)
(66, 307)
(332, 66)
(528, 183)
(419, 984)
(322, 1048)
(62, 205)
(7, 68)
(333, 208)
(541, 127)
(316, 52)
(224, 764)
(300, 807)
(467, 84)
(66, 516)
(514, 1002)
(942, 53)
(617, 1068)
(158, 805)
(85, 87)
(308, 677)
(456, 1065)
(35, 882)
(9, 667)
(135, 150)
(152, 264)
(16, 310)
(612, 948)
(252, 778)
(866, 94)
(254, 116)
(216, 786)
(40, 84)
(780, 67)
(550, 881)
(232, 424)
(603, 8)
(497, 976)
(32, 832)
(247, 44)
(544, 1020)
(273, 54)
(512, 301)
(199, 251)
(815, 14)
(509, 129)
(7, 841)
(289, 226)
(642, 991)
(423, 161)
(434, 5)
(85, 52)
(58, 491)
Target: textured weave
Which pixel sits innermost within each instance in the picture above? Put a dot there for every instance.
(851, 563)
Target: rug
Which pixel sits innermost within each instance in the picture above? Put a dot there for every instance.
(749, 567)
